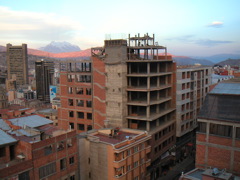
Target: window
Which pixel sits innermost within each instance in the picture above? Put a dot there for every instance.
(47, 170)
(135, 149)
(89, 127)
(62, 163)
(88, 91)
(71, 114)
(80, 115)
(183, 75)
(2, 152)
(71, 125)
(70, 90)
(79, 90)
(89, 103)
(48, 150)
(72, 177)
(24, 176)
(135, 164)
(238, 132)
(70, 102)
(70, 78)
(221, 130)
(136, 178)
(71, 160)
(142, 161)
(81, 127)
(128, 167)
(202, 126)
(89, 115)
(128, 152)
(80, 102)
(60, 146)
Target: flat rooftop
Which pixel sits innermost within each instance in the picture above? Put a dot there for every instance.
(122, 136)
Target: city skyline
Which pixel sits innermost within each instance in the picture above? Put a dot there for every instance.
(191, 28)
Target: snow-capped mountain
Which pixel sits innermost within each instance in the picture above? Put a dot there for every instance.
(60, 47)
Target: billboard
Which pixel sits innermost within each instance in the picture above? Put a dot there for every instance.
(53, 92)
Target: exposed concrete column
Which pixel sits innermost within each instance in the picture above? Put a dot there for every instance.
(157, 123)
(206, 147)
(148, 98)
(148, 125)
(232, 150)
(148, 82)
(148, 111)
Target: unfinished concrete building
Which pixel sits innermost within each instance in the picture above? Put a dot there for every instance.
(133, 85)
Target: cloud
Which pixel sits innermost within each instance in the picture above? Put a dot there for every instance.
(38, 27)
(215, 24)
(211, 43)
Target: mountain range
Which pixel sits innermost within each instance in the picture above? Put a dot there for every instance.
(85, 54)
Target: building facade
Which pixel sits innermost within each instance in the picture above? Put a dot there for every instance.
(75, 95)
(192, 86)
(32, 148)
(133, 85)
(218, 135)
(17, 63)
(44, 78)
(114, 154)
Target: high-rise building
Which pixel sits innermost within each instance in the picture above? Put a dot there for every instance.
(133, 87)
(44, 78)
(192, 86)
(17, 63)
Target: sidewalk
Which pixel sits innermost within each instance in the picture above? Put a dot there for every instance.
(184, 166)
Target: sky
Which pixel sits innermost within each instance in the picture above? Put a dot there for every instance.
(185, 27)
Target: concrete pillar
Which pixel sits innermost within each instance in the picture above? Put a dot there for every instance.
(148, 125)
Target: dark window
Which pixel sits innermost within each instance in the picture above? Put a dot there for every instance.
(71, 114)
(62, 164)
(81, 127)
(221, 130)
(80, 115)
(79, 90)
(72, 177)
(89, 91)
(238, 132)
(80, 103)
(89, 127)
(71, 125)
(2, 152)
(89, 103)
(71, 160)
(202, 126)
(47, 170)
(70, 102)
(24, 176)
(89, 115)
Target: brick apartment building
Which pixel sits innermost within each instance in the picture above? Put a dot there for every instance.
(114, 154)
(75, 93)
(192, 86)
(133, 85)
(218, 136)
(32, 148)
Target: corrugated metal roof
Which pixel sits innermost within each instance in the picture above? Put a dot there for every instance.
(227, 88)
(4, 126)
(30, 121)
(5, 138)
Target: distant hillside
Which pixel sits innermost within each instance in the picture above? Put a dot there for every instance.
(60, 47)
(220, 57)
(231, 62)
(181, 60)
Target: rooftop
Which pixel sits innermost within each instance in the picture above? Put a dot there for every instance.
(229, 88)
(30, 121)
(5, 138)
